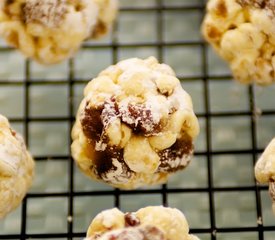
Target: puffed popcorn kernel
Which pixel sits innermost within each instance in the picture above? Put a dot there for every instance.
(242, 33)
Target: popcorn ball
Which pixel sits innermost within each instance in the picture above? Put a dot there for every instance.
(243, 33)
(135, 125)
(154, 223)
(50, 31)
(265, 169)
(16, 168)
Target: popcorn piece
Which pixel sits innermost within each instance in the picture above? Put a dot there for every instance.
(265, 169)
(105, 221)
(139, 155)
(154, 223)
(16, 168)
(242, 33)
(133, 135)
(50, 31)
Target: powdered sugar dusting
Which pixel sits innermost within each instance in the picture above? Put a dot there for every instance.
(110, 112)
(140, 117)
(134, 233)
(118, 174)
(170, 164)
(268, 5)
(47, 12)
(157, 109)
(179, 99)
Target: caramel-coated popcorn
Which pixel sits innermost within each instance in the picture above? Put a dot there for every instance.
(50, 31)
(16, 168)
(154, 223)
(243, 33)
(135, 125)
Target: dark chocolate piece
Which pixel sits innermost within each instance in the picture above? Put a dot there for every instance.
(91, 122)
(177, 156)
(110, 161)
(140, 119)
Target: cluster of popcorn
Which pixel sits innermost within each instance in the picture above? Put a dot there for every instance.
(243, 33)
(153, 222)
(265, 169)
(16, 168)
(50, 31)
(135, 125)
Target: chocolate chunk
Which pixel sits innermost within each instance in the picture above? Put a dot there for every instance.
(91, 122)
(131, 220)
(140, 119)
(110, 166)
(103, 160)
(177, 156)
(95, 120)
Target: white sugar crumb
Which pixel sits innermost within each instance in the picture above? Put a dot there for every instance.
(48, 12)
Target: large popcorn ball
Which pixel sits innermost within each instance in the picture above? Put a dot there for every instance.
(243, 33)
(50, 31)
(265, 169)
(135, 125)
(154, 223)
(16, 168)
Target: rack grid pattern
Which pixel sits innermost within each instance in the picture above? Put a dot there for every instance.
(236, 124)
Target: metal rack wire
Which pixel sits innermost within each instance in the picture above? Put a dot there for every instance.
(204, 77)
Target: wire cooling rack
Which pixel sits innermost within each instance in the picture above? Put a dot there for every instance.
(217, 192)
